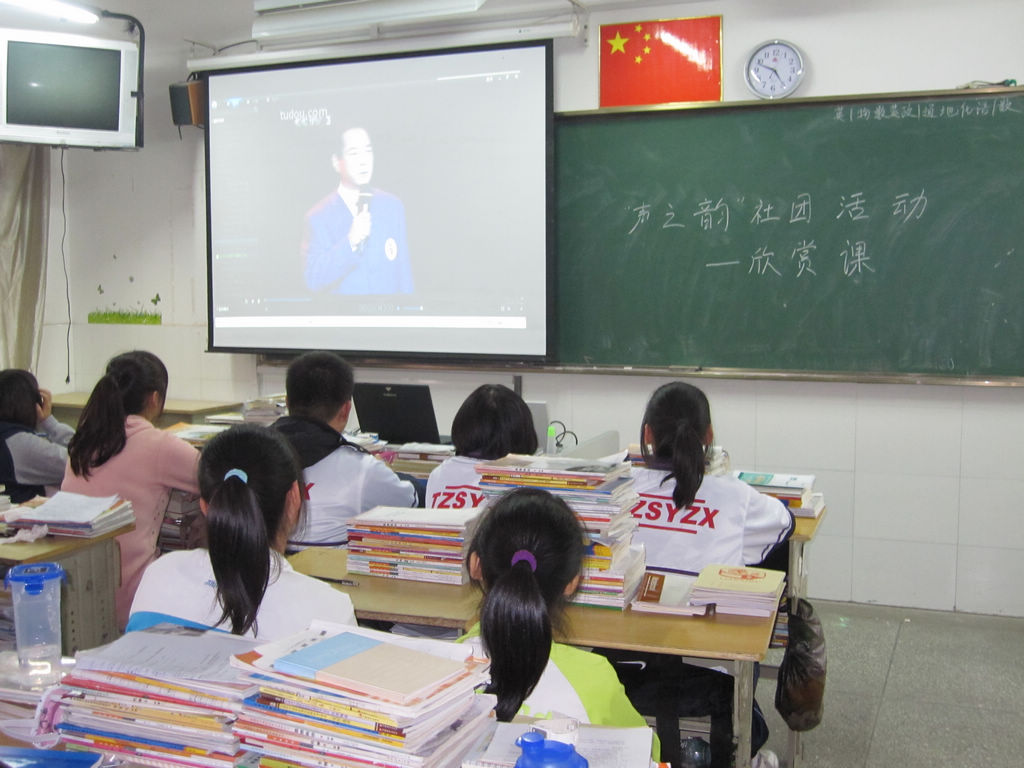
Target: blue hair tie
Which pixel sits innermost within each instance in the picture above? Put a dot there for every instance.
(240, 474)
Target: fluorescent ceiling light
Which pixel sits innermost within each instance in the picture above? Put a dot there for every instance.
(323, 19)
(56, 8)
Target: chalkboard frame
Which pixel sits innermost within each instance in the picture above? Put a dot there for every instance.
(876, 376)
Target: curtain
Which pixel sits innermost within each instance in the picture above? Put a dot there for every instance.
(24, 212)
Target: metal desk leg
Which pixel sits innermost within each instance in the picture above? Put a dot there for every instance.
(742, 707)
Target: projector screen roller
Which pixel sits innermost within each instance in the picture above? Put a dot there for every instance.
(397, 205)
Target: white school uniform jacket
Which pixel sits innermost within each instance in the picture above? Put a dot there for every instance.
(342, 481)
(728, 522)
(455, 484)
(180, 587)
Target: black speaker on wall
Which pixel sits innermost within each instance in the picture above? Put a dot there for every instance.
(188, 103)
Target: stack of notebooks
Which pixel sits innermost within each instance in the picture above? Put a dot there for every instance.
(729, 589)
(795, 491)
(72, 514)
(264, 410)
(602, 494)
(345, 696)
(163, 697)
(184, 525)
(411, 543)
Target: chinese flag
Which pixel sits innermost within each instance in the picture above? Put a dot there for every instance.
(653, 62)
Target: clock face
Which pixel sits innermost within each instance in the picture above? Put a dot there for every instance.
(775, 69)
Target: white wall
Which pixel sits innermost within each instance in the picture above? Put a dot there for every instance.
(923, 482)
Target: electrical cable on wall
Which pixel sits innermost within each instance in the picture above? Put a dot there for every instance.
(64, 258)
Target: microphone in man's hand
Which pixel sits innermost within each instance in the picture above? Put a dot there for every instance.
(363, 206)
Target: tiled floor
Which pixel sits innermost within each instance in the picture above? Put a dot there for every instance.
(910, 688)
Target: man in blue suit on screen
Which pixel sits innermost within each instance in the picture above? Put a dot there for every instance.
(355, 237)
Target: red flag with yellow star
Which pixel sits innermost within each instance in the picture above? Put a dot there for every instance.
(653, 62)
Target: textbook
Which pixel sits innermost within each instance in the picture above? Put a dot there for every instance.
(412, 543)
(550, 471)
(74, 514)
(813, 508)
(738, 589)
(372, 667)
(792, 490)
(667, 593)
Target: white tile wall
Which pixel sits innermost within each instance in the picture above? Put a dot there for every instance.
(988, 580)
(904, 573)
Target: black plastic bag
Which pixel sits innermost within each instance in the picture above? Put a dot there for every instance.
(800, 693)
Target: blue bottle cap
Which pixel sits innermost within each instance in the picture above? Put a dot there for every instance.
(539, 752)
(34, 576)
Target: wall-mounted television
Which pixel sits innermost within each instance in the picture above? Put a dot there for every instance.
(68, 90)
(393, 206)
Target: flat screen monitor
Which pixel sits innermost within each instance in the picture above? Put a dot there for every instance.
(396, 206)
(68, 90)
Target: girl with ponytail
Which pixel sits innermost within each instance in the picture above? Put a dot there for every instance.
(688, 520)
(526, 556)
(117, 450)
(250, 485)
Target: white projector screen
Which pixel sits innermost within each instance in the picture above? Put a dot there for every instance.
(396, 206)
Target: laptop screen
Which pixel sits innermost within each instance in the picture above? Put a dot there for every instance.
(398, 413)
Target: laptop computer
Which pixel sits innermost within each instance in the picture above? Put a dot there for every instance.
(398, 413)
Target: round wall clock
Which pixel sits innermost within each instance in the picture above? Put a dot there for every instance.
(775, 69)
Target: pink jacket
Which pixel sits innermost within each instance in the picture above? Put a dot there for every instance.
(144, 472)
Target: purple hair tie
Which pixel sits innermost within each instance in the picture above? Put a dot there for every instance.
(527, 555)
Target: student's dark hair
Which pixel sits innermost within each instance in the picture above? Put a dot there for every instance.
(493, 422)
(317, 385)
(123, 390)
(679, 417)
(245, 513)
(19, 396)
(522, 604)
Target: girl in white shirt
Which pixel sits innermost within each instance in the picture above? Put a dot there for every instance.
(250, 491)
(491, 423)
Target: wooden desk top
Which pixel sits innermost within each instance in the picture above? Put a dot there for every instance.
(715, 637)
(51, 547)
(807, 527)
(171, 405)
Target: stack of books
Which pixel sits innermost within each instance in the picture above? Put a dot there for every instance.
(345, 696)
(738, 590)
(72, 514)
(184, 525)
(264, 410)
(164, 697)
(602, 495)
(716, 459)
(795, 491)
(667, 593)
(412, 543)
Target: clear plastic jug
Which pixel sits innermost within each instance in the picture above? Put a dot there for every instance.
(35, 592)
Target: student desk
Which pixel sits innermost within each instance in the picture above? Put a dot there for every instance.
(805, 530)
(93, 568)
(738, 641)
(67, 407)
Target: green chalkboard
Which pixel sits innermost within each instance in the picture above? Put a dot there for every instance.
(878, 236)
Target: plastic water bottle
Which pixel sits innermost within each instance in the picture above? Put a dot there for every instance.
(539, 752)
(694, 753)
(35, 593)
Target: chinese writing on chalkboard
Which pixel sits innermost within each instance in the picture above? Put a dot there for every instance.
(715, 215)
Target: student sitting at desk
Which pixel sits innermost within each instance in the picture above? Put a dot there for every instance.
(527, 555)
(734, 525)
(491, 423)
(117, 450)
(33, 444)
(251, 494)
(342, 480)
